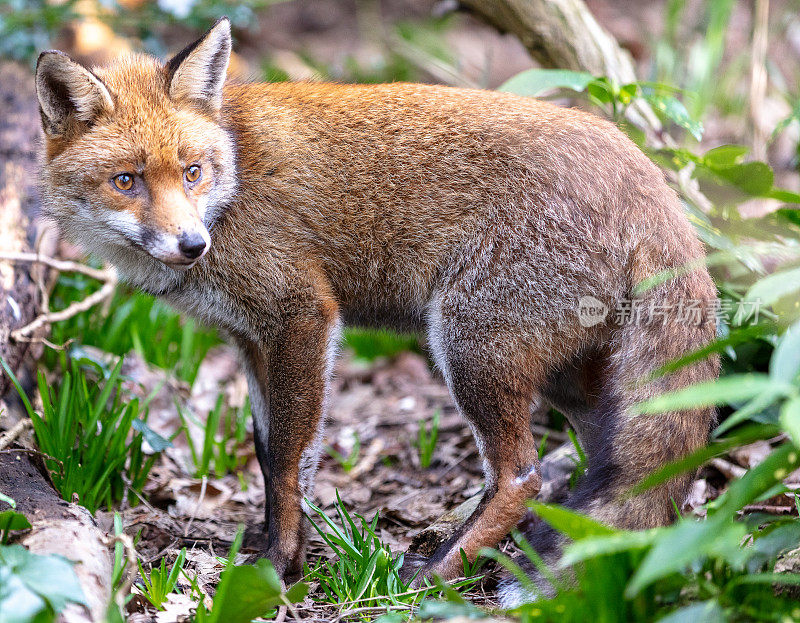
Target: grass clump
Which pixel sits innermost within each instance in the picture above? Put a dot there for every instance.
(93, 437)
(224, 433)
(427, 436)
(364, 576)
(132, 322)
(159, 582)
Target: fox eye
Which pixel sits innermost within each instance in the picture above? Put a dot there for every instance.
(193, 173)
(123, 181)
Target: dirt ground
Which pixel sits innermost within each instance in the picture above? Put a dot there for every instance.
(378, 404)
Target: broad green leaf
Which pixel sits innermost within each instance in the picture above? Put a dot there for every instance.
(775, 286)
(772, 470)
(754, 407)
(534, 82)
(297, 592)
(790, 419)
(785, 363)
(601, 90)
(754, 178)
(673, 109)
(773, 542)
(251, 592)
(727, 390)
(725, 155)
(156, 441)
(572, 524)
(679, 546)
(705, 611)
(50, 577)
(19, 604)
(12, 520)
(603, 545)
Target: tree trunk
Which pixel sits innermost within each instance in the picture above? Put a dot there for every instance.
(20, 297)
(58, 527)
(564, 34)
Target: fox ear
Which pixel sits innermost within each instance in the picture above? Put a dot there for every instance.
(67, 90)
(197, 72)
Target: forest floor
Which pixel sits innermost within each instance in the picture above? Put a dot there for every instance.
(377, 407)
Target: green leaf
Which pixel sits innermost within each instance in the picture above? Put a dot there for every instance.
(792, 579)
(677, 547)
(534, 82)
(601, 90)
(785, 362)
(725, 155)
(250, 591)
(19, 604)
(787, 196)
(253, 590)
(775, 286)
(156, 441)
(50, 578)
(701, 456)
(10, 501)
(727, 390)
(754, 407)
(738, 336)
(772, 542)
(673, 109)
(297, 592)
(603, 545)
(12, 520)
(753, 178)
(574, 525)
(705, 611)
(772, 470)
(790, 419)
(790, 215)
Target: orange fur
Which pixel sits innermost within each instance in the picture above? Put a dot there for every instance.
(480, 218)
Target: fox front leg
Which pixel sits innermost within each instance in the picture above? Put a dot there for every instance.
(287, 381)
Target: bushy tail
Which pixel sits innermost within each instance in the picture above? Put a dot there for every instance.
(666, 321)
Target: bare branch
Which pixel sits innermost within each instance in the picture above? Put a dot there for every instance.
(107, 276)
(64, 266)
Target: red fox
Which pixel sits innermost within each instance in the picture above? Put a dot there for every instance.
(280, 212)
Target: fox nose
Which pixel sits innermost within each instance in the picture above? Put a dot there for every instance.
(191, 245)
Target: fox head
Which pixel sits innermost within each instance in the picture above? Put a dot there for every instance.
(137, 165)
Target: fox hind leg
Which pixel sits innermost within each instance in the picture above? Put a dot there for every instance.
(493, 381)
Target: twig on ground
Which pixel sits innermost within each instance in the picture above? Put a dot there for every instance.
(35, 453)
(555, 435)
(8, 437)
(63, 266)
(108, 277)
(71, 310)
(728, 469)
(203, 485)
